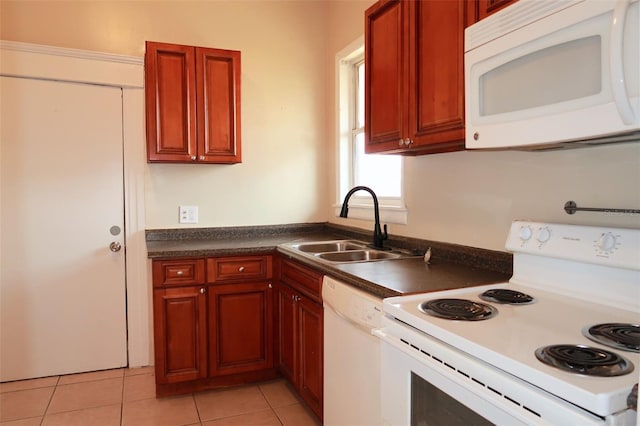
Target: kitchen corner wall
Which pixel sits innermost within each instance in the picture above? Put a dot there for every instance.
(288, 121)
(282, 178)
(472, 197)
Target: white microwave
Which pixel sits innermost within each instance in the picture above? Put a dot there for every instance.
(545, 74)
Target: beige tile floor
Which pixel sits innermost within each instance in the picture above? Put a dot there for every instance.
(127, 397)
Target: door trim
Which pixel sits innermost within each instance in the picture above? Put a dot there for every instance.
(54, 63)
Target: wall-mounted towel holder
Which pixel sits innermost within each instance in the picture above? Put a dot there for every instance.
(571, 207)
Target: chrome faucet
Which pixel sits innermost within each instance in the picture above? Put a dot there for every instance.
(378, 235)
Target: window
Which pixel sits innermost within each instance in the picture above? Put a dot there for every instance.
(381, 172)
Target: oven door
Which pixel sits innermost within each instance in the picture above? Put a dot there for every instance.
(427, 382)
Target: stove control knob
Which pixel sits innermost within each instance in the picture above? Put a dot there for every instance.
(544, 235)
(525, 233)
(607, 242)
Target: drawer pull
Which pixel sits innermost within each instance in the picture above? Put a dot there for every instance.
(180, 273)
(241, 269)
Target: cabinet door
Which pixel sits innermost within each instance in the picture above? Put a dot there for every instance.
(218, 88)
(385, 80)
(285, 331)
(240, 328)
(180, 335)
(310, 335)
(488, 7)
(170, 90)
(436, 75)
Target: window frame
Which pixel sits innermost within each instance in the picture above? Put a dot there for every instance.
(392, 209)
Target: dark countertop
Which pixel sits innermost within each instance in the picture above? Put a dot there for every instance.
(451, 266)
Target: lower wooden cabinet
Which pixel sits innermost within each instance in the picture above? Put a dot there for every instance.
(218, 332)
(180, 324)
(299, 319)
(220, 321)
(286, 322)
(310, 348)
(240, 328)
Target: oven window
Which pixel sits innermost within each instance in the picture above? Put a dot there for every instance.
(432, 407)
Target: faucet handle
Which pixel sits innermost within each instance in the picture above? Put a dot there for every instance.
(379, 236)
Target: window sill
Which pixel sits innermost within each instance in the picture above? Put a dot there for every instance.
(388, 214)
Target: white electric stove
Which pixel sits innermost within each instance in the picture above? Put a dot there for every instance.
(486, 354)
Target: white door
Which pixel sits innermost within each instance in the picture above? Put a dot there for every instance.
(62, 290)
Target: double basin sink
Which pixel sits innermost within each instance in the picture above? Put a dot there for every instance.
(345, 251)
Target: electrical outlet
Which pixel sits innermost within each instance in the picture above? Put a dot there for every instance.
(188, 214)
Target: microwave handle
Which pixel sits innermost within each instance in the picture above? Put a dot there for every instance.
(617, 64)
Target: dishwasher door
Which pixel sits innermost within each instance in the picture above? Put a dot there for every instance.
(351, 356)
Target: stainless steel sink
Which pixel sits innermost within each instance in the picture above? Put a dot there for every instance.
(329, 246)
(357, 255)
(344, 251)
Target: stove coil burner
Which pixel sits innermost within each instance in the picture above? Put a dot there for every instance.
(586, 360)
(506, 296)
(622, 336)
(458, 309)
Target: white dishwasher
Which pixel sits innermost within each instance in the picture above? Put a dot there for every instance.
(351, 355)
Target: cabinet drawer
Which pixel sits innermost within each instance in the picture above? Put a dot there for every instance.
(238, 268)
(302, 279)
(178, 272)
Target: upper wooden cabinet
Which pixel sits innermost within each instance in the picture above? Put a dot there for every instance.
(488, 7)
(192, 104)
(414, 75)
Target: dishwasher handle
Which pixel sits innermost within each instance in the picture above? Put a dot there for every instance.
(347, 318)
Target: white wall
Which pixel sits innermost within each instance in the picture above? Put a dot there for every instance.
(471, 197)
(283, 95)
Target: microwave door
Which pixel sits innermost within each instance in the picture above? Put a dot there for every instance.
(558, 79)
(618, 80)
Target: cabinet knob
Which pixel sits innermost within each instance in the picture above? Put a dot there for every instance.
(476, 136)
(408, 142)
(180, 273)
(270, 285)
(202, 290)
(193, 158)
(241, 269)
(401, 142)
(201, 157)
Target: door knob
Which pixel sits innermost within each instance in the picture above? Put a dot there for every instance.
(115, 246)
